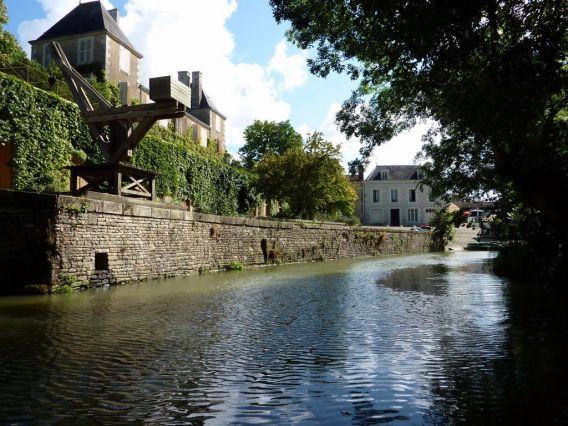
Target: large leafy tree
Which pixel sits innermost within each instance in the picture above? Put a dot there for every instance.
(10, 49)
(268, 137)
(310, 180)
(491, 74)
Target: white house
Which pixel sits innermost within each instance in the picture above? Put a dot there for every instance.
(393, 195)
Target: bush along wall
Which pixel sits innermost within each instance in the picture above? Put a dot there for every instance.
(188, 171)
(47, 134)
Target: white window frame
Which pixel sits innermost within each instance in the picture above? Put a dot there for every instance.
(85, 53)
(217, 123)
(376, 195)
(46, 56)
(412, 215)
(410, 193)
(383, 175)
(124, 59)
(394, 195)
(203, 136)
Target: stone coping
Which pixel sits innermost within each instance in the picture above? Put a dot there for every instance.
(115, 205)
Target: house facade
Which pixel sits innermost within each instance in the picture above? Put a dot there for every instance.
(394, 196)
(202, 117)
(91, 36)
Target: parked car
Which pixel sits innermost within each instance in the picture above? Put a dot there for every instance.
(428, 227)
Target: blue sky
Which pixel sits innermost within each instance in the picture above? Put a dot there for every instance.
(250, 70)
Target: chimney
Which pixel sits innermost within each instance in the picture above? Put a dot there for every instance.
(184, 77)
(360, 172)
(115, 14)
(196, 89)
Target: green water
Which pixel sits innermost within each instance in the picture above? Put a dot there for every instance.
(430, 339)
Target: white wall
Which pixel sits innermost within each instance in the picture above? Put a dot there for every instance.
(378, 213)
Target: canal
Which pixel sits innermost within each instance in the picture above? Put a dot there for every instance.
(429, 339)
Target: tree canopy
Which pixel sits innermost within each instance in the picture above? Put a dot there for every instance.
(10, 49)
(308, 179)
(268, 137)
(492, 75)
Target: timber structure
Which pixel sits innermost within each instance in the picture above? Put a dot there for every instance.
(118, 130)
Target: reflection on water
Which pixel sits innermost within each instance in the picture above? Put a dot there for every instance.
(431, 339)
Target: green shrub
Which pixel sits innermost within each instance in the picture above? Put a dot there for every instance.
(444, 229)
(234, 266)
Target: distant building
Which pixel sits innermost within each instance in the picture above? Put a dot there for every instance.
(90, 35)
(393, 195)
(202, 118)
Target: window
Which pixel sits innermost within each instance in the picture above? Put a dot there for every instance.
(412, 215)
(124, 60)
(412, 195)
(46, 59)
(85, 51)
(203, 136)
(382, 175)
(376, 195)
(394, 195)
(430, 210)
(217, 124)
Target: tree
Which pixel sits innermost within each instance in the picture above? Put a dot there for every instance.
(492, 75)
(10, 49)
(310, 180)
(268, 137)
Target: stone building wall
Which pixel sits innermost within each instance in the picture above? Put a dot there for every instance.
(107, 241)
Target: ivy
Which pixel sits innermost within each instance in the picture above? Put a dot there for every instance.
(188, 171)
(47, 134)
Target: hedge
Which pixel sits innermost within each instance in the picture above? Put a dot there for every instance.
(47, 133)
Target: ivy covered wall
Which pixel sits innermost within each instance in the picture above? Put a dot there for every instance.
(47, 134)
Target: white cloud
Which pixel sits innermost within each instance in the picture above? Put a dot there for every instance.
(292, 68)
(402, 149)
(177, 35)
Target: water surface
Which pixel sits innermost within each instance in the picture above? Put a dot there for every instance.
(430, 339)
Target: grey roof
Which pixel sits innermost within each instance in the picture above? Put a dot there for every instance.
(207, 103)
(395, 172)
(87, 18)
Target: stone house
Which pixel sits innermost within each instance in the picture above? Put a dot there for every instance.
(393, 195)
(202, 117)
(91, 37)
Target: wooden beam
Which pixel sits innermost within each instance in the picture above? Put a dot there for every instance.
(159, 112)
(168, 89)
(134, 138)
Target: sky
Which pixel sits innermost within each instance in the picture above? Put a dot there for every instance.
(249, 68)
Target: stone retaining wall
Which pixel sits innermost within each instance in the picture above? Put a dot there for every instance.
(110, 240)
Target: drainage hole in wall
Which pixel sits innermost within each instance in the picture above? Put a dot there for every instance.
(101, 261)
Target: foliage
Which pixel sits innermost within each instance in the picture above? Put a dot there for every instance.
(444, 229)
(10, 49)
(46, 133)
(309, 180)
(268, 137)
(188, 171)
(492, 75)
(234, 266)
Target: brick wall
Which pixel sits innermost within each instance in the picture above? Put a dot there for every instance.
(107, 240)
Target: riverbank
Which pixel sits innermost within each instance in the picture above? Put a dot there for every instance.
(53, 240)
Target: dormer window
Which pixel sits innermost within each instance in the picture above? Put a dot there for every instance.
(85, 50)
(383, 175)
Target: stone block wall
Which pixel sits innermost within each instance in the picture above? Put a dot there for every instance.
(110, 240)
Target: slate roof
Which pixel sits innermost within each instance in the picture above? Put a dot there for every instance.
(207, 103)
(395, 173)
(87, 18)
